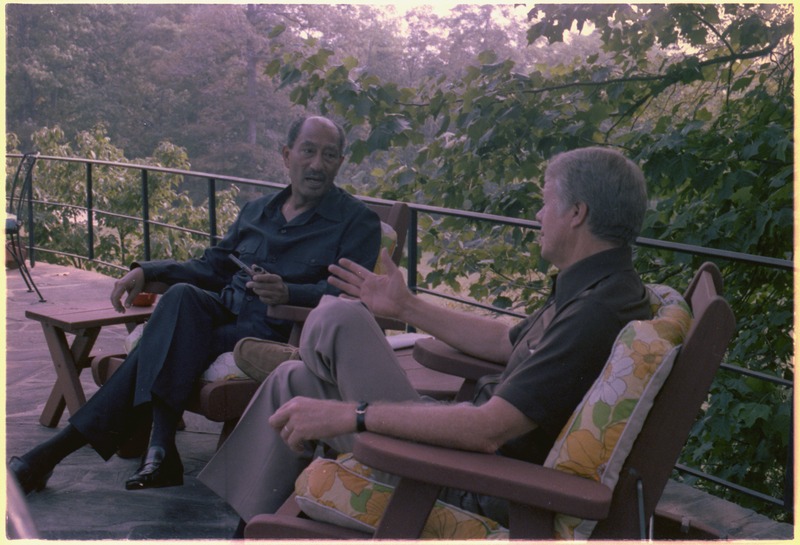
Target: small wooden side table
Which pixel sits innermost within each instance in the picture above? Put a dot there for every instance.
(70, 359)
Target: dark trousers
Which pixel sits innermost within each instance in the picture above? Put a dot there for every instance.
(188, 330)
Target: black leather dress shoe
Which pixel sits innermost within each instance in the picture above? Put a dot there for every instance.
(28, 479)
(158, 470)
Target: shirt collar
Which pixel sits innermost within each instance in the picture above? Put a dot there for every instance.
(330, 207)
(587, 272)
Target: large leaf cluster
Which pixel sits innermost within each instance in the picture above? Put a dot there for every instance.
(699, 95)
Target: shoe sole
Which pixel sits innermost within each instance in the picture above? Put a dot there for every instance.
(138, 485)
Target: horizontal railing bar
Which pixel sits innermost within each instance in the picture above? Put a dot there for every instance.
(712, 252)
(166, 170)
(453, 298)
(125, 217)
(758, 375)
(733, 486)
(181, 229)
(76, 256)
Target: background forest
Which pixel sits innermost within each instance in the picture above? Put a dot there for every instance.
(461, 109)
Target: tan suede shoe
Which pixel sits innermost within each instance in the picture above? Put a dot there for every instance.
(259, 357)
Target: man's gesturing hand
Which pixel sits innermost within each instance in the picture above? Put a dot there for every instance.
(384, 294)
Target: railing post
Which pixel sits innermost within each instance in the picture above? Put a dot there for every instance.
(89, 213)
(145, 216)
(31, 256)
(212, 211)
(412, 251)
(412, 257)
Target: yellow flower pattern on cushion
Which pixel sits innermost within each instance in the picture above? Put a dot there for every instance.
(375, 505)
(351, 482)
(345, 492)
(601, 431)
(648, 356)
(320, 482)
(443, 522)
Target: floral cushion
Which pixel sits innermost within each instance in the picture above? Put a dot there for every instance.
(347, 493)
(600, 433)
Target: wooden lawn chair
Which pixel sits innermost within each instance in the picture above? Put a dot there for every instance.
(537, 493)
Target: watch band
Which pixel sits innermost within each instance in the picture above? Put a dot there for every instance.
(361, 416)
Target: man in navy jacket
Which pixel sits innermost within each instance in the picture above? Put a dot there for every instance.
(292, 237)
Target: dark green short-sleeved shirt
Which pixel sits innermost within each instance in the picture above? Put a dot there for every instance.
(552, 367)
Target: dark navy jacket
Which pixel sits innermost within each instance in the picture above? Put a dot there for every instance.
(299, 251)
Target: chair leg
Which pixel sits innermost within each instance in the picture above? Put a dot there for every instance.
(16, 252)
(227, 428)
(25, 272)
(19, 259)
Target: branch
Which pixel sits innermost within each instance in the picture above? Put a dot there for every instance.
(668, 78)
(715, 31)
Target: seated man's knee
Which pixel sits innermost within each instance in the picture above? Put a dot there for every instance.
(339, 312)
(179, 293)
(284, 382)
(179, 290)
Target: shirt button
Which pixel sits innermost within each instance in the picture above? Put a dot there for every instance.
(283, 231)
(249, 297)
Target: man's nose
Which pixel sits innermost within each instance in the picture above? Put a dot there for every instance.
(317, 162)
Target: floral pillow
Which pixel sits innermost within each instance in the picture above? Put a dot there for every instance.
(347, 493)
(600, 434)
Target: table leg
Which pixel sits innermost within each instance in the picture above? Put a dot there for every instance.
(69, 361)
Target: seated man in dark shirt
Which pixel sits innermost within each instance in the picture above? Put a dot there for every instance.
(292, 236)
(594, 203)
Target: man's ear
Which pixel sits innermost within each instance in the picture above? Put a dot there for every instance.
(285, 153)
(580, 214)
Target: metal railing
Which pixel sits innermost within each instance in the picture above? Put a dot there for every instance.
(213, 180)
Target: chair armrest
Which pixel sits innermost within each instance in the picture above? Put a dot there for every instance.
(223, 399)
(286, 527)
(489, 474)
(436, 355)
(291, 313)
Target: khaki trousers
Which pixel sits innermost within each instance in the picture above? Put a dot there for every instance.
(345, 356)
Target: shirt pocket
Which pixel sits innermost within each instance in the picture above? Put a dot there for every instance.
(308, 268)
(248, 250)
